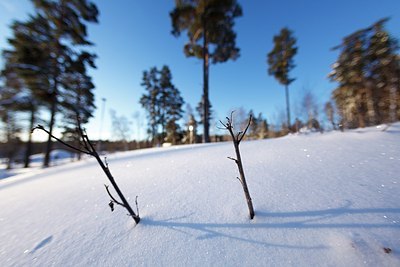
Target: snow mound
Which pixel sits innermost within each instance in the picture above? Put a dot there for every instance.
(327, 199)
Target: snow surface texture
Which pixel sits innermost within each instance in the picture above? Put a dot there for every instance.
(328, 199)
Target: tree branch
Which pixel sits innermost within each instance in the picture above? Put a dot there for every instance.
(240, 180)
(112, 198)
(223, 125)
(235, 160)
(137, 206)
(40, 127)
(245, 130)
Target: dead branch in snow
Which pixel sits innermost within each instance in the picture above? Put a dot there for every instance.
(88, 149)
(237, 138)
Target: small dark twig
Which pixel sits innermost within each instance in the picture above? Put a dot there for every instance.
(245, 130)
(137, 206)
(83, 134)
(221, 128)
(238, 135)
(112, 198)
(40, 127)
(223, 124)
(239, 180)
(235, 160)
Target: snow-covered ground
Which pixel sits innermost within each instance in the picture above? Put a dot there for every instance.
(58, 156)
(329, 199)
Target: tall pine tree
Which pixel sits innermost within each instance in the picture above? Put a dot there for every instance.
(78, 99)
(24, 78)
(10, 126)
(209, 26)
(280, 61)
(367, 72)
(163, 104)
(149, 101)
(66, 25)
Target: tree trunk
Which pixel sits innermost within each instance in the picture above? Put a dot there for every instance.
(372, 106)
(393, 104)
(287, 105)
(28, 151)
(206, 134)
(46, 161)
(10, 156)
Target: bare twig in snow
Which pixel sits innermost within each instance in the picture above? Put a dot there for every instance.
(237, 138)
(90, 150)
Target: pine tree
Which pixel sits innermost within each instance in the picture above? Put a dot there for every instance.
(385, 67)
(200, 111)
(22, 98)
(172, 102)
(252, 132)
(10, 128)
(163, 104)
(66, 28)
(280, 61)
(44, 62)
(78, 99)
(349, 71)
(209, 25)
(149, 100)
(367, 72)
(262, 127)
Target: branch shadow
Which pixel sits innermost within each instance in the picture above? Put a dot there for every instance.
(210, 230)
(309, 220)
(42, 243)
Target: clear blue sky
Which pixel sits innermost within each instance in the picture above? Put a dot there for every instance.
(133, 36)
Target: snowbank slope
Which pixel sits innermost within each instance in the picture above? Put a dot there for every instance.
(321, 199)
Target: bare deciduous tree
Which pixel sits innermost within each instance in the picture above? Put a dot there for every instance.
(121, 127)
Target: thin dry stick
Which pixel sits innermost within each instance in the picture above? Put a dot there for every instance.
(90, 150)
(236, 142)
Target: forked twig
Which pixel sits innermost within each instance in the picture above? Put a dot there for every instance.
(237, 138)
(90, 150)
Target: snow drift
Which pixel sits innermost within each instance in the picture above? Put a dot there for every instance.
(320, 199)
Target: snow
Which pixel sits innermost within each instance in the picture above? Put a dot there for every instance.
(58, 156)
(327, 199)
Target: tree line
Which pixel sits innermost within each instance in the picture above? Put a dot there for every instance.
(368, 76)
(46, 69)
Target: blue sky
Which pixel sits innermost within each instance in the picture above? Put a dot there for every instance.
(133, 36)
